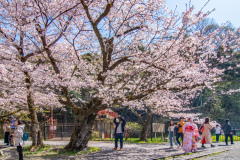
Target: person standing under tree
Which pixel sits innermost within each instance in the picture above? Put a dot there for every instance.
(12, 128)
(7, 132)
(180, 131)
(190, 131)
(119, 131)
(218, 132)
(227, 129)
(172, 133)
(18, 135)
(206, 134)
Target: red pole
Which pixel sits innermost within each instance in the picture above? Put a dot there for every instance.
(52, 113)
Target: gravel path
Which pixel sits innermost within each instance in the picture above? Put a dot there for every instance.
(144, 152)
(232, 154)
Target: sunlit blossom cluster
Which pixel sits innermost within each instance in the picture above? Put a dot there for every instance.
(142, 55)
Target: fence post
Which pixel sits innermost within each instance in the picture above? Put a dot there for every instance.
(62, 132)
(151, 127)
(110, 131)
(44, 130)
(162, 136)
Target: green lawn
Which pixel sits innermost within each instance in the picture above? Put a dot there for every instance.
(159, 139)
(49, 151)
(222, 138)
(134, 140)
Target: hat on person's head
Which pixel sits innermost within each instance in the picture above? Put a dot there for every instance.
(11, 117)
(181, 117)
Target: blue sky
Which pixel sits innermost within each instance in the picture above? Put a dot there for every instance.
(226, 10)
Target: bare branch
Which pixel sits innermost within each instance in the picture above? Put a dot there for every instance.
(61, 32)
(124, 59)
(138, 116)
(105, 13)
(129, 30)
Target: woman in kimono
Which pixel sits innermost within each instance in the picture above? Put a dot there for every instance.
(206, 134)
(190, 136)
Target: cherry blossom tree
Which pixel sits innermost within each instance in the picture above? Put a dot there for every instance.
(20, 82)
(141, 51)
(21, 90)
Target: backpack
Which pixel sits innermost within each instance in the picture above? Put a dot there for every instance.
(25, 136)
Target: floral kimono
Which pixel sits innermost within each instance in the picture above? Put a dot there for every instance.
(190, 137)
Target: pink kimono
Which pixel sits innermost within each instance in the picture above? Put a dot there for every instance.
(190, 132)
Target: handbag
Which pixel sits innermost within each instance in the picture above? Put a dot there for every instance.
(201, 128)
(204, 141)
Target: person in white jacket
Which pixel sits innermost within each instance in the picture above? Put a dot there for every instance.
(18, 134)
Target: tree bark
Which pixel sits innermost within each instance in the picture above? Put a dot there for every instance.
(145, 125)
(144, 131)
(82, 131)
(1, 129)
(37, 139)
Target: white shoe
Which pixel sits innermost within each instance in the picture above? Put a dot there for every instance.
(171, 147)
(178, 147)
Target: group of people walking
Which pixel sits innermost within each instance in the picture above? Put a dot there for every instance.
(13, 134)
(187, 131)
(190, 134)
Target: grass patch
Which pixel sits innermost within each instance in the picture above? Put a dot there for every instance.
(86, 151)
(222, 138)
(180, 155)
(159, 139)
(134, 140)
(209, 155)
(177, 156)
(26, 149)
(56, 152)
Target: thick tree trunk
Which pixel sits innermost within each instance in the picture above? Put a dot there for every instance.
(37, 139)
(82, 131)
(144, 131)
(1, 130)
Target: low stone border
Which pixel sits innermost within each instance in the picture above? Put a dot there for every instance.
(206, 155)
(193, 155)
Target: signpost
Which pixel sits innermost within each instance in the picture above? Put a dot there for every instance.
(158, 127)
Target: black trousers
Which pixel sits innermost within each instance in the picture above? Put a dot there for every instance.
(6, 138)
(178, 136)
(20, 152)
(226, 138)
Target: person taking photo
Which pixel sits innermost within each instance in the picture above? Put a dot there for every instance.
(119, 131)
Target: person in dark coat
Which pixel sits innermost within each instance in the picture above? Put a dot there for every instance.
(7, 132)
(12, 128)
(119, 131)
(179, 131)
(227, 129)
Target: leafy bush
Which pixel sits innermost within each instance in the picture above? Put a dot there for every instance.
(95, 135)
(132, 127)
